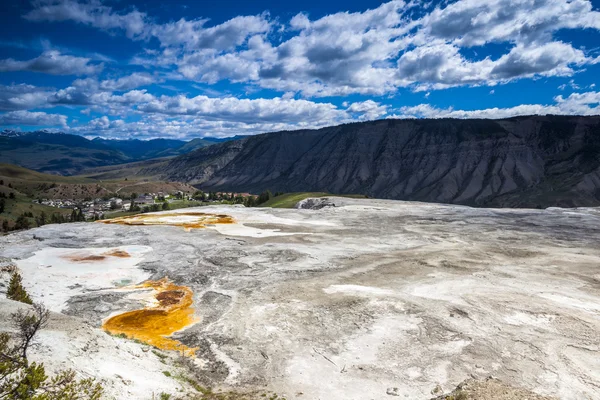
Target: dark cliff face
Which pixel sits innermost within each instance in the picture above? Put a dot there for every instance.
(517, 162)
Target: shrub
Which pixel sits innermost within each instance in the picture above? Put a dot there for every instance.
(16, 291)
(21, 380)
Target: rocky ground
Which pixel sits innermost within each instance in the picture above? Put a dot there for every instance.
(359, 299)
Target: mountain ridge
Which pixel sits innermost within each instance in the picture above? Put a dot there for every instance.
(68, 154)
(531, 161)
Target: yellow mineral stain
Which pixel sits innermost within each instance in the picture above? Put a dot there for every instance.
(171, 312)
(187, 220)
(88, 257)
(117, 253)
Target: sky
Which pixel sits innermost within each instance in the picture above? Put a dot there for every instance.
(217, 68)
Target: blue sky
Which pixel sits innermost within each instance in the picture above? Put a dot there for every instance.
(185, 69)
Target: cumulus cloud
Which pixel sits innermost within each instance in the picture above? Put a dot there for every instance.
(550, 59)
(374, 52)
(439, 65)
(575, 104)
(340, 53)
(32, 118)
(246, 110)
(22, 97)
(193, 35)
(53, 62)
(185, 127)
(92, 13)
(476, 22)
(368, 110)
(104, 123)
(127, 82)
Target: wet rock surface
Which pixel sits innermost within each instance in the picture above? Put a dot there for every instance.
(365, 300)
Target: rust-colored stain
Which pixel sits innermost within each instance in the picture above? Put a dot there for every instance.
(84, 258)
(80, 257)
(154, 324)
(187, 220)
(117, 253)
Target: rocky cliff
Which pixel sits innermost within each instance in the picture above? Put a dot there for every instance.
(535, 161)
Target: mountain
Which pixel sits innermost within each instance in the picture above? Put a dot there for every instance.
(198, 143)
(533, 161)
(56, 154)
(144, 149)
(66, 154)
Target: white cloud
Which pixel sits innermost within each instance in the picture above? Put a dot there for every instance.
(246, 110)
(104, 123)
(399, 44)
(374, 52)
(193, 35)
(368, 110)
(53, 62)
(127, 82)
(575, 104)
(32, 118)
(440, 65)
(476, 22)
(92, 13)
(22, 97)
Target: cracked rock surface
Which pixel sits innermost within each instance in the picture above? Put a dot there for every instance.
(369, 299)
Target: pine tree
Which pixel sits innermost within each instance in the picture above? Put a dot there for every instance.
(264, 197)
(20, 380)
(22, 222)
(16, 291)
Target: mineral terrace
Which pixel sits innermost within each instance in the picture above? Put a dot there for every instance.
(346, 299)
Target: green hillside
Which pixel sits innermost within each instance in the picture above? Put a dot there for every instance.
(289, 200)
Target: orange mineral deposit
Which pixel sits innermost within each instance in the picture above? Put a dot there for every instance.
(187, 220)
(154, 324)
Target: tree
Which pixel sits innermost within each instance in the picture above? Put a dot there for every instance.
(250, 201)
(42, 219)
(28, 324)
(5, 226)
(22, 222)
(20, 380)
(264, 197)
(165, 206)
(11, 196)
(2, 204)
(16, 291)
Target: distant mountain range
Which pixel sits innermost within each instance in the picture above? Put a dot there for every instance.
(66, 154)
(534, 161)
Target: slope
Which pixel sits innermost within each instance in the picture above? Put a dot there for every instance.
(534, 161)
